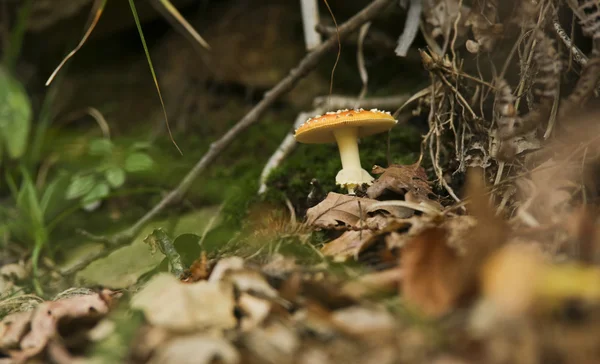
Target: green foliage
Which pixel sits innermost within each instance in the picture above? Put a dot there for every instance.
(115, 176)
(13, 49)
(187, 245)
(30, 221)
(80, 186)
(108, 171)
(15, 116)
(138, 162)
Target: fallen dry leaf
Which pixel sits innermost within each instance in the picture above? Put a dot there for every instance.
(362, 321)
(166, 302)
(28, 333)
(253, 310)
(251, 281)
(482, 20)
(349, 244)
(433, 278)
(12, 328)
(401, 180)
(546, 196)
(245, 280)
(502, 279)
(280, 265)
(374, 283)
(274, 343)
(441, 264)
(196, 349)
(223, 266)
(338, 210)
(199, 270)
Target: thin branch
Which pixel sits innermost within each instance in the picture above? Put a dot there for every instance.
(309, 63)
(285, 148)
(576, 53)
(411, 27)
(348, 102)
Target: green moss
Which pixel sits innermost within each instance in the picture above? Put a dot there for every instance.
(308, 161)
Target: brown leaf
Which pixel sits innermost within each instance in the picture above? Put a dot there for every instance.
(13, 327)
(273, 343)
(416, 224)
(400, 180)
(339, 210)
(253, 311)
(482, 20)
(432, 272)
(198, 348)
(441, 264)
(502, 279)
(362, 321)
(200, 269)
(374, 283)
(183, 307)
(42, 323)
(349, 244)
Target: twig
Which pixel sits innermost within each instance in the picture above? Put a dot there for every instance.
(284, 149)
(308, 63)
(375, 39)
(411, 26)
(360, 60)
(310, 19)
(346, 102)
(578, 55)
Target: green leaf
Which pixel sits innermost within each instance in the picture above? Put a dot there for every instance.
(80, 185)
(100, 147)
(99, 192)
(140, 145)
(29, 206)
(137, 162)
(15, 115)
(187, 245)
(28, 202)
(53, 200)
(115, 177)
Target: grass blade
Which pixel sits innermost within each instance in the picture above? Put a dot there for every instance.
(162, 103)
(97, 10)
(12, 52)
(169, 11)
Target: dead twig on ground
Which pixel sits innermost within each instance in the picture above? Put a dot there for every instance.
(285, 148)
(308, 63)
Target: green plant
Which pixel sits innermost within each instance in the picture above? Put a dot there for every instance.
(93, 184)
(33, 201)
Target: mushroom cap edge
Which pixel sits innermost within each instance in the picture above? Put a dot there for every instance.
(319, 129)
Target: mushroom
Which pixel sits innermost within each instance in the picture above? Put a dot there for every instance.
(345, 127)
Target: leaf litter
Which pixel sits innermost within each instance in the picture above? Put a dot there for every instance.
(506, 271)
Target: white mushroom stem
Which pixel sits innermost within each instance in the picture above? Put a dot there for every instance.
(352, 175)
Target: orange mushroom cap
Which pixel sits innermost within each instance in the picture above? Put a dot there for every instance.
(319, 129)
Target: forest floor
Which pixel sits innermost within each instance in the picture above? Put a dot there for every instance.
(477, 242)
